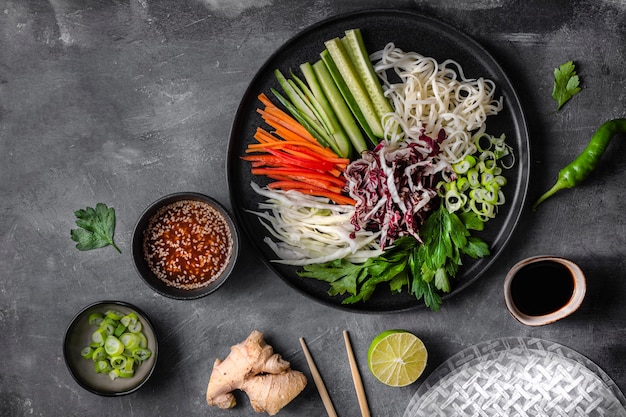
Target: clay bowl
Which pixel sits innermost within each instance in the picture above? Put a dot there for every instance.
(543, 289)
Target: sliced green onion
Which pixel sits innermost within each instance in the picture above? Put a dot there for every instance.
(118, 345)
(142, 354)
(454, 200)
(487, 161)
(143, 341)
(118, 362)
(108, 327)
(98, 336)
(86, 352)
(114, 315)
(476, 181)
(126, 373)
(483, 142)
(99, 354)
(119, 330)
(120, 373)
(501, 198)
(462, 184)
(462, 167)
(128, 319)
(130, 364)
(95, 319)
(486, 177)
(102, 367)
(113, 346)
(130, 340)
(135, 327)
(473, 177)
(500, 180)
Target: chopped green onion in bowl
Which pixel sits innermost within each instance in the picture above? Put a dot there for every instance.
(110, 348)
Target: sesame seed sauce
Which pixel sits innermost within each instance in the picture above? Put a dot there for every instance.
(188, 244)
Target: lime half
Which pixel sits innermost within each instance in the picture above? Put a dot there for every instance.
(397, 358)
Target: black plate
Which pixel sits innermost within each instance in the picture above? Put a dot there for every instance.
(410, 32)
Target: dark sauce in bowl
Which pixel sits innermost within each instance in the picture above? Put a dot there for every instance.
(542, 288)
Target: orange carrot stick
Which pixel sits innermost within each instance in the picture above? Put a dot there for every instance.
(263, 98)
(273, 116)
(293, 152)
(264, 137)
(290, 135)
(305, 150)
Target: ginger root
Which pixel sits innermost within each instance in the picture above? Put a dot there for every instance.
(253, 367)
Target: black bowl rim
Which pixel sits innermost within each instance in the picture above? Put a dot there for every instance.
(74, 321)
(137, 246)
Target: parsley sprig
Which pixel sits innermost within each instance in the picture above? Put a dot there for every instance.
(423, 268)
(566, 83)
(96, 228)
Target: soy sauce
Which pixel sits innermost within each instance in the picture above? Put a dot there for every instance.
(542, 288)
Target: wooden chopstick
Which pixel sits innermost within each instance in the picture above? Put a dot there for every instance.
(356, 377)
(319, 383)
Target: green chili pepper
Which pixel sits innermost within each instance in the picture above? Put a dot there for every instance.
(577, 170)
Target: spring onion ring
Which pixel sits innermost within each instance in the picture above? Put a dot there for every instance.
(118, 345)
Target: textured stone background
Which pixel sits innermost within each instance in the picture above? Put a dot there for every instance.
(125, 101)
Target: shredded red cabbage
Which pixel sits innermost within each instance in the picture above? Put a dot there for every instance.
(394, 186)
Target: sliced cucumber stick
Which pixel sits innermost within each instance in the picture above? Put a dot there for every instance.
(351, 77)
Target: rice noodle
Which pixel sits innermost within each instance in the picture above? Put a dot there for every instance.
(431, 97)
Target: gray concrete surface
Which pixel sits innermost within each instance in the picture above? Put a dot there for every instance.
(122, 102)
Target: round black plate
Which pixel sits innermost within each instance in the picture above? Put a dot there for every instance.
(410, 32)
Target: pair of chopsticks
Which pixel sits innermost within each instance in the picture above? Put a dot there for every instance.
(356, 378)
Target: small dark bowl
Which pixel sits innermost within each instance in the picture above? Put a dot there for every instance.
(78, 335)
(149, 276)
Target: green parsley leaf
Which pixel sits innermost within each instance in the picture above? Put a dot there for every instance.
(441, 280)
(476, 248)
(471, 221)
(97, 227)
(426, 290)
(566, 83)
(340, 274)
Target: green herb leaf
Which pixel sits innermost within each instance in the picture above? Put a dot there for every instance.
(426, 290)
(441, 280)
(97, 227)
(471, 221)
(566, 83)
(476, 248)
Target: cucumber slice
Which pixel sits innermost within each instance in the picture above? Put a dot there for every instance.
(349, 99)
(365, 70)
(351, 77)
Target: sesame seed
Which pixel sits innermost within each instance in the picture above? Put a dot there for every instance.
(188, 244)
